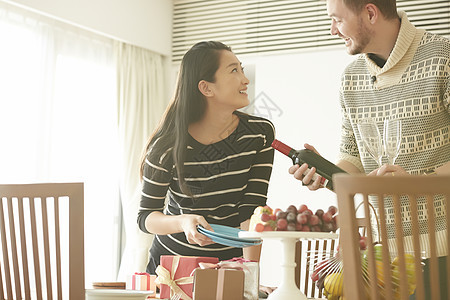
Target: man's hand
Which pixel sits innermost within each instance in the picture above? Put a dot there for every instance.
(306, 176)
(388, 170)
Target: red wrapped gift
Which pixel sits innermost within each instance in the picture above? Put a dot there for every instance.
(141, 281)
(174, 274)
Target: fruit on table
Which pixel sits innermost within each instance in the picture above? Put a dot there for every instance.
(263, 219)
(410, 272)
(334, 284)
(293, 219)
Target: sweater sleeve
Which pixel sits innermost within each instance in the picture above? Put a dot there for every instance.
(348, 150)
(255, 193)
(447, 91)
(156, 179)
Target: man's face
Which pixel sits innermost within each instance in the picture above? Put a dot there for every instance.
(348, 26)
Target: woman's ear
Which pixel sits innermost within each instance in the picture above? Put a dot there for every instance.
(203, 87)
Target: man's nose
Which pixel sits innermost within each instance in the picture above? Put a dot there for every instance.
(333, 29)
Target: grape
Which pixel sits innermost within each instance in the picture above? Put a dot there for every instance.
(281, 215)
(319, 213)
(292, 209)
(327, 227)
(314, 220)
(363, 243)
(327, 217)
(332, 209)
(302, 208)
(306, 228)
(259, 227)
(302, 218)
(265, 217)
(316, 228)
(282, 224)
(291, 227)
(291, 217)
(298, 226)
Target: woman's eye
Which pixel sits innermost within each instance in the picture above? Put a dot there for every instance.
(234, 70)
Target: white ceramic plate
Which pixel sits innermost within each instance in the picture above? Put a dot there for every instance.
(105, 294)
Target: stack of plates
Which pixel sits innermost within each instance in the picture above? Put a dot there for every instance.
(228, 236)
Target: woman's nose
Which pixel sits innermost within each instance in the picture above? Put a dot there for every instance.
(245, 80)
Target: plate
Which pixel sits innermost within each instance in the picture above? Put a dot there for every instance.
(231, 243)
(109, 294)
(289, 234)
(227, 232)
(228, 240)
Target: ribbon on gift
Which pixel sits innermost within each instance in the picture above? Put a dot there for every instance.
(166, 277)
(240, 260)
(133, 285)
(222, 265)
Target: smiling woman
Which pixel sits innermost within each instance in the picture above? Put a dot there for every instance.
(58, 119)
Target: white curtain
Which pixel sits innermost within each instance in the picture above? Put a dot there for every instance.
(58, 120)
(141, 104)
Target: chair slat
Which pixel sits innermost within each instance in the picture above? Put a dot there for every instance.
(434, 267)
(35, 247)
(420, 291)
(23, 246)
(45, 234)
(14, 252)
(58, 248)
(5, 253)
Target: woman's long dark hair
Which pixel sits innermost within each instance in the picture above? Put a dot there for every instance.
(187, 106)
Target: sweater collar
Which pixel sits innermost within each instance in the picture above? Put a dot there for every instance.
(405, 38)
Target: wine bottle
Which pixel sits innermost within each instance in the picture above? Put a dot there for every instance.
(324, 168)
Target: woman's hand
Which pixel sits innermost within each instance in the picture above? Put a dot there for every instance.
(189, 224)
(388, 170)
(266, 289)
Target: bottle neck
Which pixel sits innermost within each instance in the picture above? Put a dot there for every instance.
(283, 148)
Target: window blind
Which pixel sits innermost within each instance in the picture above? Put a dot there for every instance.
(278, 26)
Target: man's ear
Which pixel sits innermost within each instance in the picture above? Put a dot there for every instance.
(373, 13)
(203, 87)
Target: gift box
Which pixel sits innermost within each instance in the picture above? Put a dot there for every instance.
(175, 274)
(251, 271)
(218, 284)
(141, 282)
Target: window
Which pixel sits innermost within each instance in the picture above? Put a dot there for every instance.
(58, 121)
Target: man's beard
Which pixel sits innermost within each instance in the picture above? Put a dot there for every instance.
(363, 39)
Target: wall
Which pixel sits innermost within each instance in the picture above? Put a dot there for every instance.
(299, 93)
(144, 23)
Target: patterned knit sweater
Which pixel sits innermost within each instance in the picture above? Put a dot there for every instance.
(413, 86)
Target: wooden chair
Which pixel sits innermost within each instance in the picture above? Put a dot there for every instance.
(42, 241)
(308, 253)
(404, 214)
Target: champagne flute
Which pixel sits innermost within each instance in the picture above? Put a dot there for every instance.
(371, 138)
(392, 136)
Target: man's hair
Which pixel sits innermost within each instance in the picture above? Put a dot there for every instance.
(387, 7)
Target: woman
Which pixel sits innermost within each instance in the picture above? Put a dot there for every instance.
(212, 162)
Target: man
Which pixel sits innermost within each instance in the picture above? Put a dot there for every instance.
(401, 73)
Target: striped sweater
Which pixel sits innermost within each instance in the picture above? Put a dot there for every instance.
(229, 180)
(413, 86)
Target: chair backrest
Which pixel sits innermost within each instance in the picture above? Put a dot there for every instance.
(42, 241)
(309, 253)
(410, 222)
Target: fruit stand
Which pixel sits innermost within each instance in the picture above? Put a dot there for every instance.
(288, 288)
